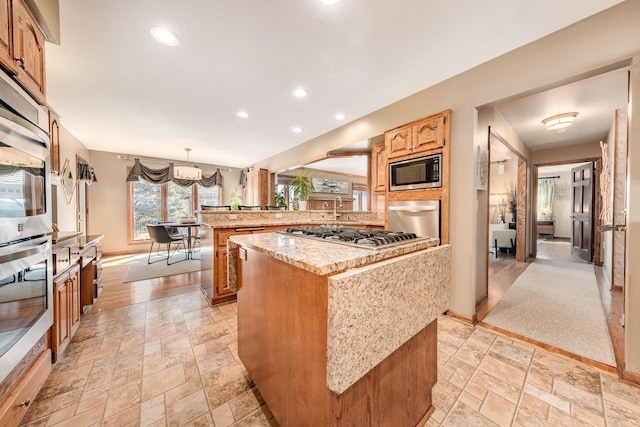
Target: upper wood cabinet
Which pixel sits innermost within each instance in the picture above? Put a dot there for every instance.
(399, 142)
(418, 137)
(7, 59)
(28, 50)
(379, 168)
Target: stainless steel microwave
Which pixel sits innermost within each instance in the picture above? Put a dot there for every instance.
(413, 174)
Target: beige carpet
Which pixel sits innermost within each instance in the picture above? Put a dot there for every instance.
(140, 270)
(557, 303)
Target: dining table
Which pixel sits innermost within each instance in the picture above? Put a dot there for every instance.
(190, 226)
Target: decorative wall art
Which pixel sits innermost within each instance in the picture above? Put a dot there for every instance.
(332, 186)
(482, 168)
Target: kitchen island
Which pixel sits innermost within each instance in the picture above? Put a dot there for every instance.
(337, 335)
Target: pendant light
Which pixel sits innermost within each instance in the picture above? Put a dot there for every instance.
(187, 172)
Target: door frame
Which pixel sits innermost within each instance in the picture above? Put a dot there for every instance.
(597, 204)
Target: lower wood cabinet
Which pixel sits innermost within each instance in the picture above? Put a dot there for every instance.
(66, 310)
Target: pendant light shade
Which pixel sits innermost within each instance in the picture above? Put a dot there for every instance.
(187, 172)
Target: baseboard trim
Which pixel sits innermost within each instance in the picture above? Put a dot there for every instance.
(633, 377)
(461, 317)
(482, 301)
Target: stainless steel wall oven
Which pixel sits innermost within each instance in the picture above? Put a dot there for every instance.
(26, 291)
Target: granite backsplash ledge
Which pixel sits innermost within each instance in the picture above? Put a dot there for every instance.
(258, 218)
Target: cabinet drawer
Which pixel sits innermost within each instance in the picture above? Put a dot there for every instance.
(19, 400)
(61, 260)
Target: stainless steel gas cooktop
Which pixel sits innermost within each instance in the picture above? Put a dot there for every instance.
(367, 239)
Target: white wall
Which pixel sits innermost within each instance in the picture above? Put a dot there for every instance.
(108, 212)
(601, 42)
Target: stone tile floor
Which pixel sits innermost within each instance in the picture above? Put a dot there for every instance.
(174, 362)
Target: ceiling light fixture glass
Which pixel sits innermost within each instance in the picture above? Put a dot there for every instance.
(165, 36)
(187, 172)
(243, 114)
(329, 2)
(559, 121)
(296, 129)
(300, 92)
(340, 116)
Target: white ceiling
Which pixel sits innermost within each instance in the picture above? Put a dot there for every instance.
(594, 99)
(118, 90)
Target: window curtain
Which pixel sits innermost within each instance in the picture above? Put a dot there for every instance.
(160, 176)
(545, 199)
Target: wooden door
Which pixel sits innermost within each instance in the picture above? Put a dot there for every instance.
(28, 44)
(582, 212)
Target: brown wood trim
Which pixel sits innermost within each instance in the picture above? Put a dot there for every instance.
(616, 288)
(461, 317)
(521, 223)
(482, 301)
(633, 377)
(551, 349)
(597, 210)
(427, 415)
(509, 146)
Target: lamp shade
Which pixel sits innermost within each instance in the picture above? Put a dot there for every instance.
(187, 172)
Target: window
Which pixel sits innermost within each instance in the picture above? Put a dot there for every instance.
(145, 207)
(360, 197)
(164, 202)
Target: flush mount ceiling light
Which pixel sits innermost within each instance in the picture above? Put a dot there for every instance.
(187, 172)
(340, 116)
(164, 36)
(329, 2)
(300, 92)
(243, 114)
(296, 129)
(559, 121)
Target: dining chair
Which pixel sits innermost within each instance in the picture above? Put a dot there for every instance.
(160, 236)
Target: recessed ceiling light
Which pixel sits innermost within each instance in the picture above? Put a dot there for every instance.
(164, 36)
(329, 2)
(300, 92)
(242, 114)
(340, 116)
(296, 129)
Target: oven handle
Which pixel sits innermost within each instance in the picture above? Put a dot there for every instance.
(413, 208)
(36, 248)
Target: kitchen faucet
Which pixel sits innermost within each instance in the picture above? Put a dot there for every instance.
(323, 206)
(335, 214)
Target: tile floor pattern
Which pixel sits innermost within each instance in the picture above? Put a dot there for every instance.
(174, 362)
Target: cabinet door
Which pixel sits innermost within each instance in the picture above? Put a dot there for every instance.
(398, 142)
(379, 171)
(428, 134)
(222, 285)
(61, 328)
(6, 36)
(74, 300)
(28, 45)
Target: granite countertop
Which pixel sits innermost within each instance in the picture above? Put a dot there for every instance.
(91, 240)
(61, 236)
(321, 257)
(239, 219)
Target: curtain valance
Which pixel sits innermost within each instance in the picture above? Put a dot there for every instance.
(160, 176)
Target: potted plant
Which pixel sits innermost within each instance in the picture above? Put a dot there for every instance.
(303, 186)
(512, 199)
(280, 200)
(235, 199)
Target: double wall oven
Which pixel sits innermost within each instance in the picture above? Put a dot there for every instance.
(26, 294)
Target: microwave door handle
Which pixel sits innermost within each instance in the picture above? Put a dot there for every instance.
(23, 253)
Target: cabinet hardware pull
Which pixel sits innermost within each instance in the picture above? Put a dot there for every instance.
(24, 403)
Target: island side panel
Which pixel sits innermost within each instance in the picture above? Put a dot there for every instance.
(282, 337)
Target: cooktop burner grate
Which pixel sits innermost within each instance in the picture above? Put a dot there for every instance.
(371, 239)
